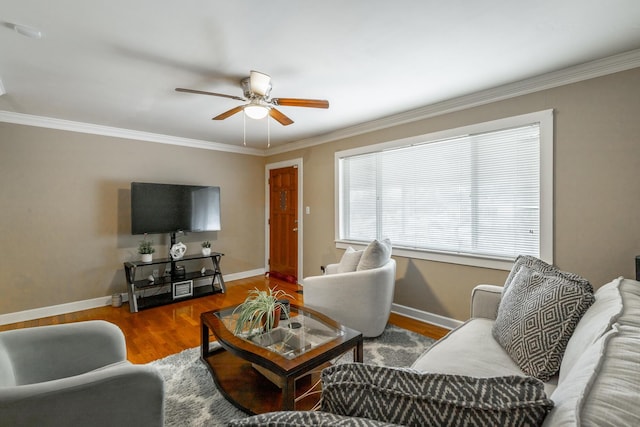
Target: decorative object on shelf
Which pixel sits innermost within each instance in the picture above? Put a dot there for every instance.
(177, 251)
(151, 279)
(203, 270)
(180, 271)
(146, 249)
(261, 310)
(116, 300)
(206, 248)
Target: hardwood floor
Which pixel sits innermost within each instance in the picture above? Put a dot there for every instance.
(161, 331)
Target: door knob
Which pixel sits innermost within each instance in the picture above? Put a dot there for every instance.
(295, 229)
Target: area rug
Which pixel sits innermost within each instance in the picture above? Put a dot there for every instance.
(192, 398)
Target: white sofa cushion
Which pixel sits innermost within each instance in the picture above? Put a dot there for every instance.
(604, 312)
(601, 388)
(612, 397)
(375, 255)
(567, 398)
(471, 350)
(537, 316)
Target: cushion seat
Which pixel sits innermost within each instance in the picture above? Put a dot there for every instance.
(474, 334)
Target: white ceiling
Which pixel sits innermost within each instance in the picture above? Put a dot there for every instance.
(116, 63)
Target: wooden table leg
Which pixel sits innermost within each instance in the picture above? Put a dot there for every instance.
(289, 394)
(204, 343)
(358, 352)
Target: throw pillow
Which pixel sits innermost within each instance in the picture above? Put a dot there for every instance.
(349, 261)
(304, 419)
(375, 255)
(412, 398)
(538, 314)
(541, 267)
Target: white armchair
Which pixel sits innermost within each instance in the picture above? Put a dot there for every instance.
(360, 300)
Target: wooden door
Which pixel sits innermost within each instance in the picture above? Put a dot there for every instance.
(283, 223)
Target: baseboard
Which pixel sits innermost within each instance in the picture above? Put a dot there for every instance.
(244, 274)
(425, 316)
(56, 310)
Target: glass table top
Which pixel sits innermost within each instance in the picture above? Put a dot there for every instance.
(291, 338)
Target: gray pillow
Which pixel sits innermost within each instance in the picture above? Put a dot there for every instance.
(304, 419)
(537, 315)
(413, 398)
(375, 255)
(542, 267)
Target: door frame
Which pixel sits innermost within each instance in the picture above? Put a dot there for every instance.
(267, 237)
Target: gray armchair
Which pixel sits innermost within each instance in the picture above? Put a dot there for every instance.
(75, 374)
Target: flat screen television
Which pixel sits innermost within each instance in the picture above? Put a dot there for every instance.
(170, 208)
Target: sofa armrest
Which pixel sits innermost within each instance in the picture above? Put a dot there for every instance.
(121, 394)
(485, 300)
(331, 269)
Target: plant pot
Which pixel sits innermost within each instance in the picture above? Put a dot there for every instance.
(146, 257)
(206, 251)
(276, 320)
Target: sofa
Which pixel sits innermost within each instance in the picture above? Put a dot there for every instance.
(586, 370)
(75, 374)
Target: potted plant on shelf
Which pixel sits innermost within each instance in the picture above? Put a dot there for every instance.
(206, 248)
(146, 249)
(261, 311)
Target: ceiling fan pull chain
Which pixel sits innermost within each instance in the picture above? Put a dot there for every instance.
(268, 132)
(244, 129)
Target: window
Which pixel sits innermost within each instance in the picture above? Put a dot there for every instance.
(478, 195)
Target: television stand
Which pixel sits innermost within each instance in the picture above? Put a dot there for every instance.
(175, 287)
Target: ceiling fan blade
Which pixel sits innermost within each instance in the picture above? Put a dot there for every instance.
(297, 102)
(229, 113)
(201, 92)
(279, 117)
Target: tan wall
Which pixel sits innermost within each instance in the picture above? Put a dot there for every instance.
(65, 211)
(597, 190)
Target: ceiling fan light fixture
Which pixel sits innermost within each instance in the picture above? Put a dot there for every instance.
(256, 112)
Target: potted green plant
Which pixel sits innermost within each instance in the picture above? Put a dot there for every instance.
(206, 248)
(260, 311)
(146, 249)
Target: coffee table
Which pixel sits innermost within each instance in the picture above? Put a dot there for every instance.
(268, 372)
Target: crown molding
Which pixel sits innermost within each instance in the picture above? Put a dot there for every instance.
(51, 123)
(598, 68)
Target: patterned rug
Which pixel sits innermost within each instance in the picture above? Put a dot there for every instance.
(192, 398)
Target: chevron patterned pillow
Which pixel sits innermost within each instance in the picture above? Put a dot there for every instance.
(538, 313)
(413, 398)
(305, 419)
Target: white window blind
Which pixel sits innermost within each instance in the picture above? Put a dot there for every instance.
(476, 194)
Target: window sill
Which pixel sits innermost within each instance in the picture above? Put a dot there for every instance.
(451, 258)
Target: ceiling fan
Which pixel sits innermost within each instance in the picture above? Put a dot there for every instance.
(257, 88)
